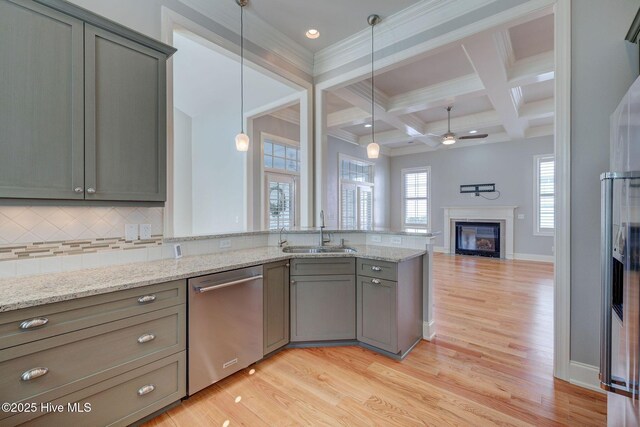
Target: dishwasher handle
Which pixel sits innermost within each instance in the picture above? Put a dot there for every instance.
(201, 290)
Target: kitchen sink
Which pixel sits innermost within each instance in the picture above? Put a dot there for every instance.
(318, 250)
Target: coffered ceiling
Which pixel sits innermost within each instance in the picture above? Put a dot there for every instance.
(499, 82)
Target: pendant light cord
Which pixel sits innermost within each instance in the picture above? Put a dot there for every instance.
(373, 110)
(242, 69)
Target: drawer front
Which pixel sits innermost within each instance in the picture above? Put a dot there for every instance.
(81, 358)
(21, 326)
(378, 269)
(119, 401)
(322, 266)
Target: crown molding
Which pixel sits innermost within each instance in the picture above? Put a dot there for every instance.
(257, 31)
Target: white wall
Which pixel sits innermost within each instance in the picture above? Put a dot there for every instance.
(330, 176)
(603, 66)
(182, 174)
(509, 165)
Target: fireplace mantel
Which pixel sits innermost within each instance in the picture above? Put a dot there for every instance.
(480, 213)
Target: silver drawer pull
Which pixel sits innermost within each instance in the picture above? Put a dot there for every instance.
(146, 389)
(34, 373)
(376, 268)
(146, 338)
(146, 299)
(375, 281)
(34, 323)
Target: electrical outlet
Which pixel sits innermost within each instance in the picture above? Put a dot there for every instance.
(376, 239)
(145, 231)
(520, 216)
(225, 244)
(177, 251)
(396, 240)
(131, 232)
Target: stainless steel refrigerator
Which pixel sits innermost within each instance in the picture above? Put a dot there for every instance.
(620, 265)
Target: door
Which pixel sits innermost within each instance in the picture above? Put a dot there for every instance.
(281, 201)
(125, 135)
(41, 103)
(323, 308)
(276, 306)
(377, 313)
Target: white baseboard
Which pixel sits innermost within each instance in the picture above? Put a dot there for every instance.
(440, 249)
(429, 330)
(534, 257)
(584, 375)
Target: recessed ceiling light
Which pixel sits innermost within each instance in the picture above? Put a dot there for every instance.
(473, 131)
(312, 33)
(368, 125)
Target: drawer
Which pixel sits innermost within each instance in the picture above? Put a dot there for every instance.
(322, 266)
(378, 269)
(118, 401)
(69, 316)
(81, 358)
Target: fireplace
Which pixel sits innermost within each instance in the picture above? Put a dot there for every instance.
(478, 238)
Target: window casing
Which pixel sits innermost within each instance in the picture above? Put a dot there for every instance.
(544, 181)
(356, 193)
(416, 192)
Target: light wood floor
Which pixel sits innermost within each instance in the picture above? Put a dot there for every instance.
(491, 364)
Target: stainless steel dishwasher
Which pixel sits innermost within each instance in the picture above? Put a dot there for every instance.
(225, 325)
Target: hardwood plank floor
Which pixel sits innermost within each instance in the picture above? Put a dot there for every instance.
(491, 364)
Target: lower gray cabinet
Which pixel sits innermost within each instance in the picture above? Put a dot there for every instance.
(276, 306)
(323, 308)
(377, 313)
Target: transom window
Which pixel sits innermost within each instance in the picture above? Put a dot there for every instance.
(281, 156)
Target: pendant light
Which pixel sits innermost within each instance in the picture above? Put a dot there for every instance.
(242, 139)
(373, 149)
(449, 138)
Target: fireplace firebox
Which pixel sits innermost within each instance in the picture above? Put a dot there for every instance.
(478, 238)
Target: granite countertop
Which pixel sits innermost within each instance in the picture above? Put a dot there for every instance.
(30, 291)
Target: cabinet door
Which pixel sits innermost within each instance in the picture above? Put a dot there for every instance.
(125, 135)
(377, 313)
(41, 103)
(323, 308)
(276, 306)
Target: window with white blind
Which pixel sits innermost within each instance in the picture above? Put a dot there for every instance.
(545, 195)
(415, 199)
(281, 165)
(356, 194)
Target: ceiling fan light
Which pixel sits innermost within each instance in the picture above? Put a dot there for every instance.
(448, 140)
(242, 142)
(373, 150)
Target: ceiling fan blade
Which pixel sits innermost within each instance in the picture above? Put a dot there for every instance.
(478, 136)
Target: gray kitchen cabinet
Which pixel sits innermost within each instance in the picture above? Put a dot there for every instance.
(82, 106)
(276, 306)
(41, 102)
(125, 128)
(323, 305)
(389, 312)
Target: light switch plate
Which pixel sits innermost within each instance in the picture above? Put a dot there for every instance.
(520, 216)
(145, 231)
(376, 239)
(131, 232)
(396, 240)
(225, 244)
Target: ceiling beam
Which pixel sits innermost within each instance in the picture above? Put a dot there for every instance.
(288, 115)
(490, 58)
(538, 109)
(348, 117)
(538, 68)
(437, 95)
(343, 135)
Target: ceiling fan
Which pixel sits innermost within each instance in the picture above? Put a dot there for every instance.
(450, 137)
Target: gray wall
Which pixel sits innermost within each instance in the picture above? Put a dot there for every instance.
(381, 210)
(273, 126)
(509, 165)
(182, 174)
(603, 67)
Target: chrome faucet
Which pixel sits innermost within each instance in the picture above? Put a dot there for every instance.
(281, 242)
(323, 241)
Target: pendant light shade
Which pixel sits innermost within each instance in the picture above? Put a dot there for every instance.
(373, 149)
(242, 139)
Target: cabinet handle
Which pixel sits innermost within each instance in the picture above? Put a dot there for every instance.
(91, 190)
(146, 389)
(34, 373)
(375, 281)
(34, 323)
(78, 190)
(146, 299)
(376, 268)
(146, 338)
(293, 282)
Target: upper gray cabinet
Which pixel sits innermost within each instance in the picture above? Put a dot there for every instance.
(82, 106)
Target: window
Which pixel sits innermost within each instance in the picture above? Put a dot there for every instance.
(356, 194)
(545, 195)
(281, 164)
(415, 203)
